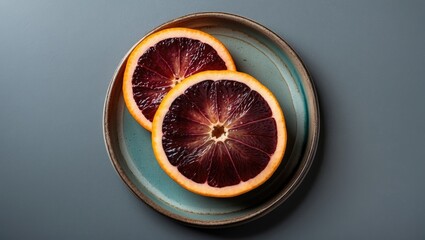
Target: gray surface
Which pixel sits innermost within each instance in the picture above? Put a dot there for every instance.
(367, 60)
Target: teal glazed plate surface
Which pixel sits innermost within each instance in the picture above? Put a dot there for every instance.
(258, 52)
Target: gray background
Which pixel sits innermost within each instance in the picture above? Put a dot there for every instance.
(367, 59)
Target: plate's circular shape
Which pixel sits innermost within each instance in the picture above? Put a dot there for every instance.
(259, 52)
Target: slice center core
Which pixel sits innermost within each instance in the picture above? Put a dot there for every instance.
(218, 131)
(176, 80)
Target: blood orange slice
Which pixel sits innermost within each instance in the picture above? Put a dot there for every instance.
(163, 59)
(219, 133)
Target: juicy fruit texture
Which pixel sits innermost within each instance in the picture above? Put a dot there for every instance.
(219, 133)
(161, 61)
(167, 63)
(224, 136)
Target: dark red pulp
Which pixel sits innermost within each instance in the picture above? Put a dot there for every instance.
(206, 111)
(166, 63)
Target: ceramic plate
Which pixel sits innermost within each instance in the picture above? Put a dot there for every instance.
(256, 51)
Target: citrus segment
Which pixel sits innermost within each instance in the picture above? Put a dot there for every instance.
(219, 133)
(162, 60)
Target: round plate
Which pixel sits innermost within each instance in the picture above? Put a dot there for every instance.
(258, 52)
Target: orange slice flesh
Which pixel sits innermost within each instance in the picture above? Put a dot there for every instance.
(163, 59)
(219, 133)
